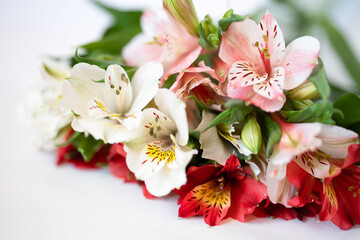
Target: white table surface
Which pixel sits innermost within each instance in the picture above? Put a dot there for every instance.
(41, 201)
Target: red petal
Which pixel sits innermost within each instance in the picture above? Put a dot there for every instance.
(208, 200)
(246, 194)
(195, 177)
(347, 187)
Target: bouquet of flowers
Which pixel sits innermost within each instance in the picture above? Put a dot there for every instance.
(223, 113)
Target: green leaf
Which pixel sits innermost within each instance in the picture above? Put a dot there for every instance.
(113, 43)
(342, 49)
(121, 18)
(349, 105)
(170, 81)
(221, 118)
(319, 79)
(319, 112)
(228, 18)
(201, 106)
(126, 24)
(87, 146)
(100, 63)
(236, 112)
(70, 140)
(270, 131)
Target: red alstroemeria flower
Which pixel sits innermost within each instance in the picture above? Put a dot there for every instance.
(118, 167)
(220, 192)
(341, 193)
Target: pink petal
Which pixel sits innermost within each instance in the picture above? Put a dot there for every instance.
(275, 43)
(238, 44)
(300, 59)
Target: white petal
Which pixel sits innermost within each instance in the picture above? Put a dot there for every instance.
(336, 140)
(145, 84)
(313, 164)
(183, 156)
(278, 187)
(117, 91)
(213, 145)
(81, 87)
(175, 109)
(144, 161)
(164, 181)
(107, 130)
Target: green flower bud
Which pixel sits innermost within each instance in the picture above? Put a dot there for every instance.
(184, 12)
(302, 104)
(251, 135)
(209, 37)
(305, 91)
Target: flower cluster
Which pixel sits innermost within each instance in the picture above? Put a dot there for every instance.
(225, 115)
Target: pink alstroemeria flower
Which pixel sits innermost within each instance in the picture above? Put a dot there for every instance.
(191, 82)
(261, 66)
(163, 40)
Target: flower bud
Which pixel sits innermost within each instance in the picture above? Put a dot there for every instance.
(302, 104)
(184, 12)
(251, 135)
(305, 91)
(209, 37)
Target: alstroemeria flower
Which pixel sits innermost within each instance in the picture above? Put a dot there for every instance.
(106, 102)
(164, 40)
(220, 192)
(46, 112)
(312, 146)
(218, 142)
(159, 156)
(341, 193)
(191, 82)
(261, 67)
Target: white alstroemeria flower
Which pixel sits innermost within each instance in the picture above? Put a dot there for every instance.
(46, 114)
(218, 142)
(108, 105)
(159, 154)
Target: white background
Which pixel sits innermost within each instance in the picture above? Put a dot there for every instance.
(41, 201)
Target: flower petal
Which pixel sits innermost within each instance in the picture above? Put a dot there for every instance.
(145, 84)
(175, 109)
(118, 92)
(300, 59)
(315, 165)
(110, 131)
(238, 44)
(272, 89)
(81, 87)
(336, 140)
(275, 40)
(245, 196)
(214, 147)
(208, 200)
(243, 74)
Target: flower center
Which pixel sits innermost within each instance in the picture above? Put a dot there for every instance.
(161, 151)
(264, 53)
